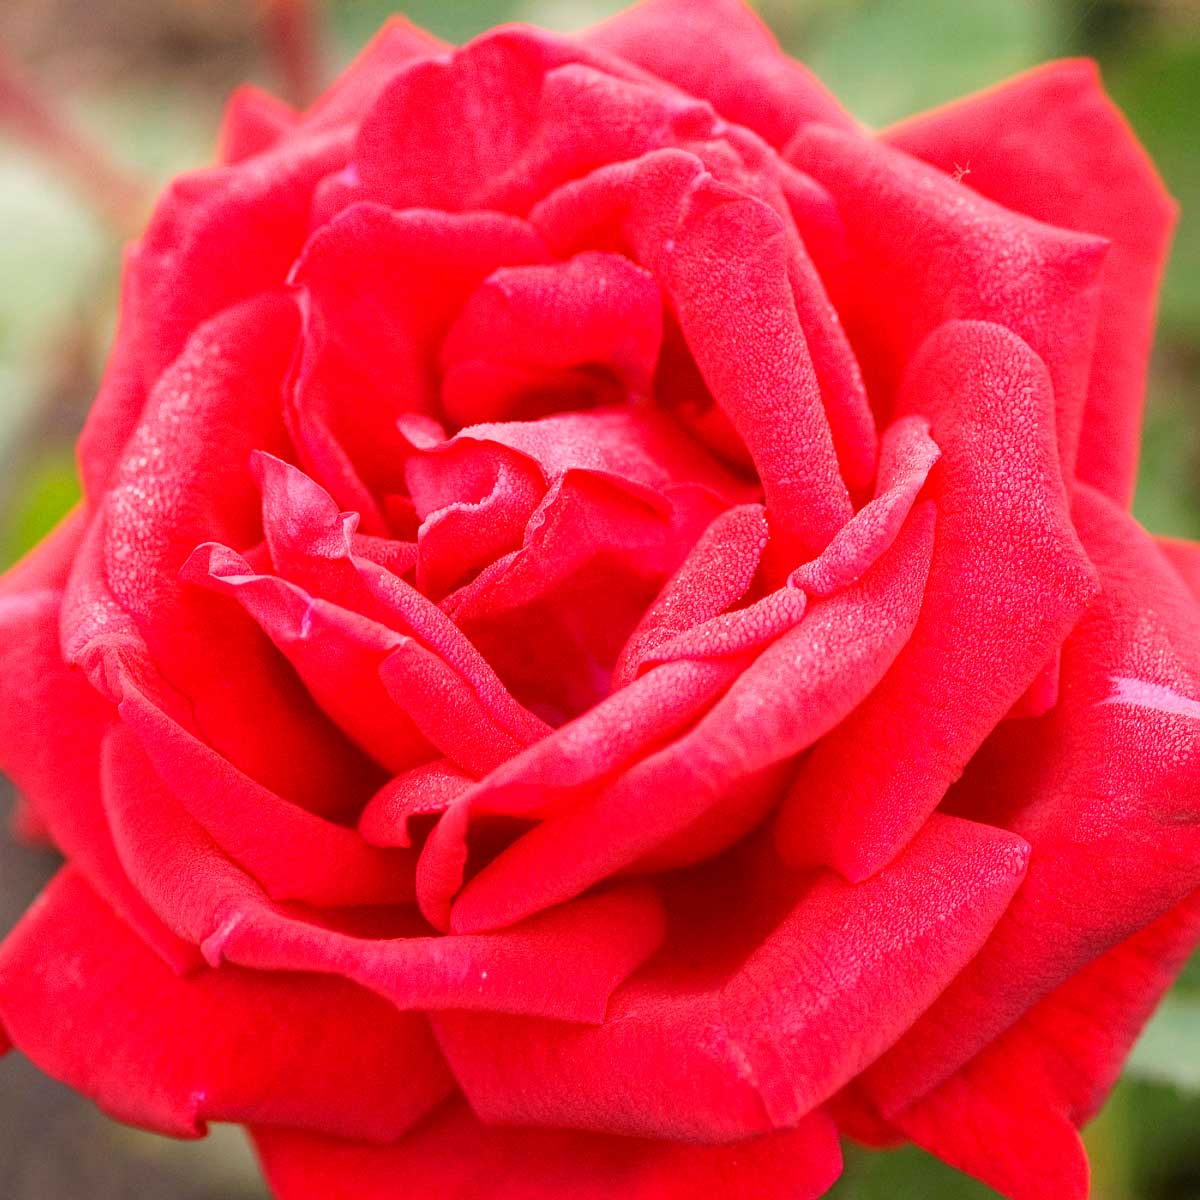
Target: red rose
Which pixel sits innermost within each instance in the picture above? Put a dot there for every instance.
(605, 646)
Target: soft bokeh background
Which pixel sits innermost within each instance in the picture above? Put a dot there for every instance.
(143, 82)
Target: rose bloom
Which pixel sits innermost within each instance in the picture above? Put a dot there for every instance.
(604, 647)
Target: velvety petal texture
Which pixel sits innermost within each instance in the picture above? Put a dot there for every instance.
(604, 650)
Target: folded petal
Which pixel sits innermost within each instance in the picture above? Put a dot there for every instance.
(379, 290)
(1007, 582)
(908, 454)
(716, 574)
(336, 653)
(537, 338)
(1050, 143)
(312, 546)
(83, 997)
(773, 991)
(639, 444)
(453, 1156)
(563, 964)
(725, 260)
(224, 390)
(1105, 788)
(912, 231)
(798, 689)
(424, 791)
(295, 854)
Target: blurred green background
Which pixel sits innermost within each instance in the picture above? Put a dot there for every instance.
(144, 81)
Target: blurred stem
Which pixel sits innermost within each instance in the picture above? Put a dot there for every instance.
(32, 117)
(294, 35)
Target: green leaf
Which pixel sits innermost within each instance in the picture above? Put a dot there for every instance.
(1168, 1051)
(887, 60)
(44, 495)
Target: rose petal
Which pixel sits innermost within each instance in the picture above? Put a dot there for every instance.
(914, 232)
(1050, 143)
(397, 43)
(1106, 788)
(798, 689)
(254, 214)
(1051, 1072)
(60, 776)
(720, 50)
(424, 791)
(379, 290)
(294, 854)
(716, 574)
(774, 991)
(563, 965)
(172, 492)
(336, 653)
(553, 615)
(92, 1006)
(725, 260)
(1007, 583)
(311, 545)
(452, 1156)
(253, 121)
(541, 323)
(908, 455)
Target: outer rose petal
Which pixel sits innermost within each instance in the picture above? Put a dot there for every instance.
(1185, 558)
(293, 853)
(92, 1006)
(1050, 143)
(721, 51)
(1009, 1116)
(452, 1156)
(60, 776)
(912, 232)
(1106, 788)
(397, 43)
(1008, 580)
(253, 121)
(254, 215)
(773, 991)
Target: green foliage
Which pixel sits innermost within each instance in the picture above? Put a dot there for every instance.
(904, 1174)
(888, 58)
(46, 491)
(1169, 1049)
